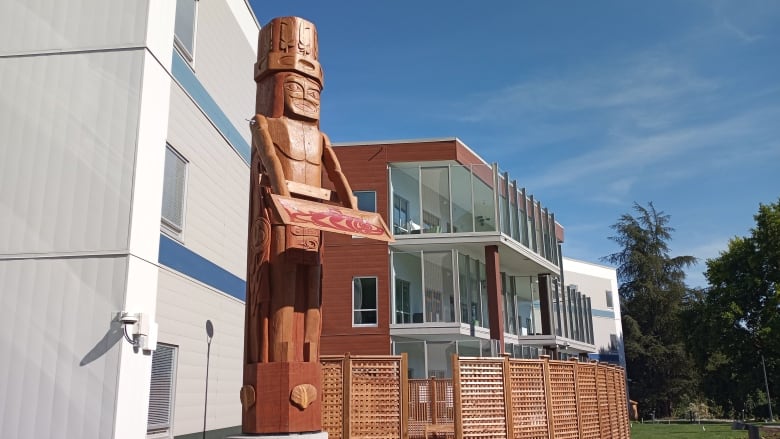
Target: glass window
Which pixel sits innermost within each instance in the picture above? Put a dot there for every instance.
(184, 29)
(462, 211)
(364, 291)
(173, 190)
(439, 288)
(161, 390)
(484, 207)
(407, 268)
(366, 200)
(435, 189)
(406, 200)
(609, 300)
(403, 310)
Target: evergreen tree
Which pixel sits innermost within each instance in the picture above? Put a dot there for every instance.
(652, 289)
(738, 321)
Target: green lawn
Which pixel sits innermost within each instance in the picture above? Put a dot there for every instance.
(681, 431)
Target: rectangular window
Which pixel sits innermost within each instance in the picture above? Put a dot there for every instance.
(173, 190)
(161, 389)
(609, 300)
(184, 28)
(401, 222)
(364, 300)
(403, 309)
(366, 200)
(613, 343)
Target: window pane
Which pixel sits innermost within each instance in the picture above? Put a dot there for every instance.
(364, 290)
(366, 200)
(407, 269)
(439, 287)
(435, 199)
(173, 189)
(462, 215)
(609, 300)
(484, 203)
(406, 200)
(184, 29)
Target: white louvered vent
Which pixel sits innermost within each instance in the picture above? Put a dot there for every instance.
(161, 388)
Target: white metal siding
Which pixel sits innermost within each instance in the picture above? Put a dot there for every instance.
(67, 149)
(217, 190)
(46, 25)
(60, 351)
(183, 306)
(224, 62)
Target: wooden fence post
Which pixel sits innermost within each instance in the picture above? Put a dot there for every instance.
(510, 424)
(404, 396)
(347, 383)
(456, 393)
(548, 395)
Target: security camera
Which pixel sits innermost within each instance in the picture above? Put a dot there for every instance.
(128, 318)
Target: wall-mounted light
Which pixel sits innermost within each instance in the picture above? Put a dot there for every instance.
(142, 332)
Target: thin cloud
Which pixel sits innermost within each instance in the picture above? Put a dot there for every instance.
(741, 34)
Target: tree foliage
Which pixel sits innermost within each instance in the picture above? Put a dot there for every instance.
(652, 291)
(738, 319)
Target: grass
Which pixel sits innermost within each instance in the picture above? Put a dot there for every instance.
(684, 431)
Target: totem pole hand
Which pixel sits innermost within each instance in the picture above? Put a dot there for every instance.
(261, 138)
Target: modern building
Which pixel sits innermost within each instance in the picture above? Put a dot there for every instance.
(110, 111)
(600, 281)
(123, 216)
(475, 269)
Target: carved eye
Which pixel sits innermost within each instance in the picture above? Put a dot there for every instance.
(293, 86)
(314, 94)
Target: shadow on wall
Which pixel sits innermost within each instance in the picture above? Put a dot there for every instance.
(113, 335)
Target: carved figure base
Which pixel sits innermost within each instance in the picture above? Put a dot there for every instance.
(273, 410)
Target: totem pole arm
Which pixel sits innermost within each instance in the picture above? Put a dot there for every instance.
(333, 168)
(261, 139)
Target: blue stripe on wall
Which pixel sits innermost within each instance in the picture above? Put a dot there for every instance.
(182, 72)
(184, 260)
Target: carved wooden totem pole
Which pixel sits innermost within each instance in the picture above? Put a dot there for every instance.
(289, 209)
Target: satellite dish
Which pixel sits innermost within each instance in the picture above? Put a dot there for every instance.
(209, 329)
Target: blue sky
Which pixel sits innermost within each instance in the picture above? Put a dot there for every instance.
(590, 105)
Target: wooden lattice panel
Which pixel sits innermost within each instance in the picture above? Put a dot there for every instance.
(619, 409)
(375, 398)
(333, 397)
(623, 396)
(604, 416)
(614, 425)
(588, 398)
(483, 412)
(419, 407)
(529, 404)
(563, 397)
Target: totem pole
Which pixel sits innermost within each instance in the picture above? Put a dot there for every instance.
(289, 209)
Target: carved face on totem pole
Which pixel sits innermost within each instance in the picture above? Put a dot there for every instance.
(288, 73)
(301, 96)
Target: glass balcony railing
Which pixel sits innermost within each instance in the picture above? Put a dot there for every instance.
(447, 198)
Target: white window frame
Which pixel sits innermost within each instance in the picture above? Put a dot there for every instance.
(376, 301)
(178, 44)
(166, 431)
(168, 226)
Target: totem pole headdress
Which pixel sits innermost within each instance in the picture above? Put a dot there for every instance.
(288, 44)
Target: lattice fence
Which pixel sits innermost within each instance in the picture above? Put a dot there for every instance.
(364, 396)
(538, 399)
(370, 397)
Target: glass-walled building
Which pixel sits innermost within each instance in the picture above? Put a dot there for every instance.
(475, 268)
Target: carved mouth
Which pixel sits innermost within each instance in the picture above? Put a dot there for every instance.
(305, 106)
